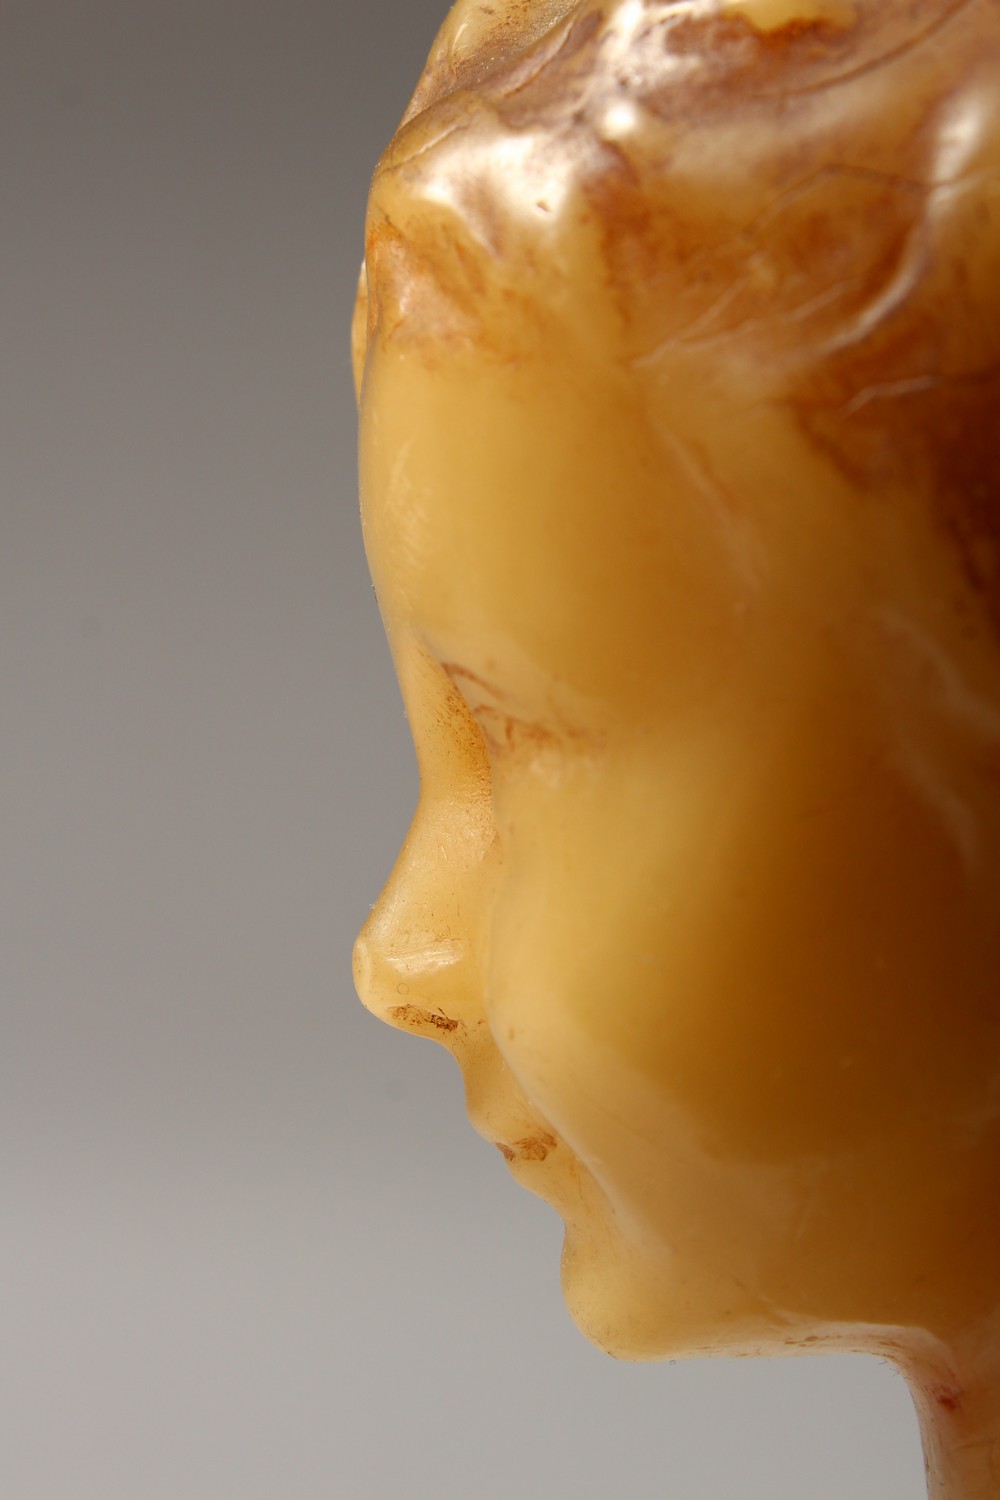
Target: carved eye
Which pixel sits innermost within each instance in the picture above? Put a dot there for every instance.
(484, 703)
(499, 730)
(508, 732)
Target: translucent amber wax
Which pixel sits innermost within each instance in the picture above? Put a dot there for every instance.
(680, 338)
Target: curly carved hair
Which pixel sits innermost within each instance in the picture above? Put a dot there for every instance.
(816, 199)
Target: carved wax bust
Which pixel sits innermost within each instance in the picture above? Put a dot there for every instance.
(680, 457)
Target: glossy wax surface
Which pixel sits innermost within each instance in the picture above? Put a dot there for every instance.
(680, 341)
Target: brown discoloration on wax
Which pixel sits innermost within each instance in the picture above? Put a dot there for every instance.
(947, 1397)
(522, 39)
(655, 461)
(531, 1148)
(415, 1018)
(501, 728)
(740, 66)
(820, 245)
(504, 730)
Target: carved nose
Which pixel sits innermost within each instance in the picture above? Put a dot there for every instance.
(384, 977)
(364, 973)
(418, 961)
(410, 980)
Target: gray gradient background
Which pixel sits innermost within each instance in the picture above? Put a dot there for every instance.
(249, 1246)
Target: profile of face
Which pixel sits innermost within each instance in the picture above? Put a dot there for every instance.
(680, 467)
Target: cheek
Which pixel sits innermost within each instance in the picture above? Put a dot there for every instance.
(740, 964)
(821, 981)
(698, 1220)
(570, 974)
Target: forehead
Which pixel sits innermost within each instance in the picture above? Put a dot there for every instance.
(599, 339)
(529, 523)
(489, 515)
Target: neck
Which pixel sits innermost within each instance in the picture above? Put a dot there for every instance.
(956, 1391)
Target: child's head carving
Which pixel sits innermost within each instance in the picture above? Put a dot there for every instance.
(681, 486)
